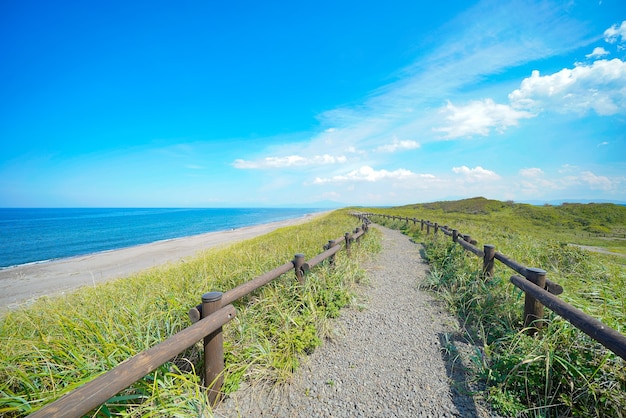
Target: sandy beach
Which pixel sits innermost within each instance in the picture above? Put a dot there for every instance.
(22, 285)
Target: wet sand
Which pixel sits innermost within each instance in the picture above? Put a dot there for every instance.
(22, 285)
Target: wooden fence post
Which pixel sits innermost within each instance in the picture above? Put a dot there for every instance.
(455, 235)
(422, 222)
(533, 309)
(347, 237)
(331, 244)
(213, 349)
(298, 262)
(436, 228)
(356, 231)
(489, 260)
(427, 227)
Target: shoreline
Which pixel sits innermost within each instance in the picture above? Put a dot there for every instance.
(139, 243)
(24, 284)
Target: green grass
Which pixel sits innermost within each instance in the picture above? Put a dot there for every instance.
(57, 344)
(561, 371)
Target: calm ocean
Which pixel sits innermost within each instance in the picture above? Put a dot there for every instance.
(34, 235)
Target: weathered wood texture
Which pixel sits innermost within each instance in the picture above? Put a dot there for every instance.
(607, 336)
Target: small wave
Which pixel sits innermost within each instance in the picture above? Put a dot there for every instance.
(28, 264)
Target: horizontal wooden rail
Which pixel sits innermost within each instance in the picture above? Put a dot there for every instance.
(510, 263)
(96, 392)
(337, 241)
(539, 290)
(605, 335)
(321, 257)
(469, 247)
(249, 287)
(554, 288)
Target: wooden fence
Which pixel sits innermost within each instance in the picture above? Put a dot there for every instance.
(208, 318)
(538, 290)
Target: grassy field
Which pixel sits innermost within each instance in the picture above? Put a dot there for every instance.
(58, 344)
(560, 372)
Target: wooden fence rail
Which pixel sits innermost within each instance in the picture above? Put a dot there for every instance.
(208, 318)
(98, 391)
(539, 291)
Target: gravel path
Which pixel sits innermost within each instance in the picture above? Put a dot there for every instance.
(386, 360)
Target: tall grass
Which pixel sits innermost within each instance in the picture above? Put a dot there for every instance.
(57, 344)
(561, 371)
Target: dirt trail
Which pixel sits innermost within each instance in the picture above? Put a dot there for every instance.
(389, 359)
(597, 250)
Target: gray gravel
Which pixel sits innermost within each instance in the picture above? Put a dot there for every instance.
(386, 361)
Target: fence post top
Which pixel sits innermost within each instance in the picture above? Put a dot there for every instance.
(299, 255)
(489, 246)
(211, 296)
(536, 271)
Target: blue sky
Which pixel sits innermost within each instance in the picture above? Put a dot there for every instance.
(247, 103)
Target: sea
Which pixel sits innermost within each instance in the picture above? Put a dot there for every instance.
(40, 235)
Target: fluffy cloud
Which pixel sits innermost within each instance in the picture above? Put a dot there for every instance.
(475, 174)
(289, 161)
(534, 180)
(596, 182)
(600, 86)
(614, 33)
(398, 145)
(479, 117)
(368, 174)
(597, 52)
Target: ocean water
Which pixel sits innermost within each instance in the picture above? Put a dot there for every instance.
(36, 235)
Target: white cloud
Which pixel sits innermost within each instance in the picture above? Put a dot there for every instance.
(367, 173)
(598, 52)
(568, 168)
(479, 117)
(398, 145)
(600, 86)
(289, 161)
(535, 182)
(612, 34)
(531, 172)
(596, 182)
(466, 53)
(475, 174)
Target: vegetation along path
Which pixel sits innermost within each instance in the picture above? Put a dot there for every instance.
(386, 360)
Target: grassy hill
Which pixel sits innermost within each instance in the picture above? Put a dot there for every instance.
(592, 224)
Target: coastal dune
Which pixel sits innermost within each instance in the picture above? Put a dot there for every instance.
(22, 285)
